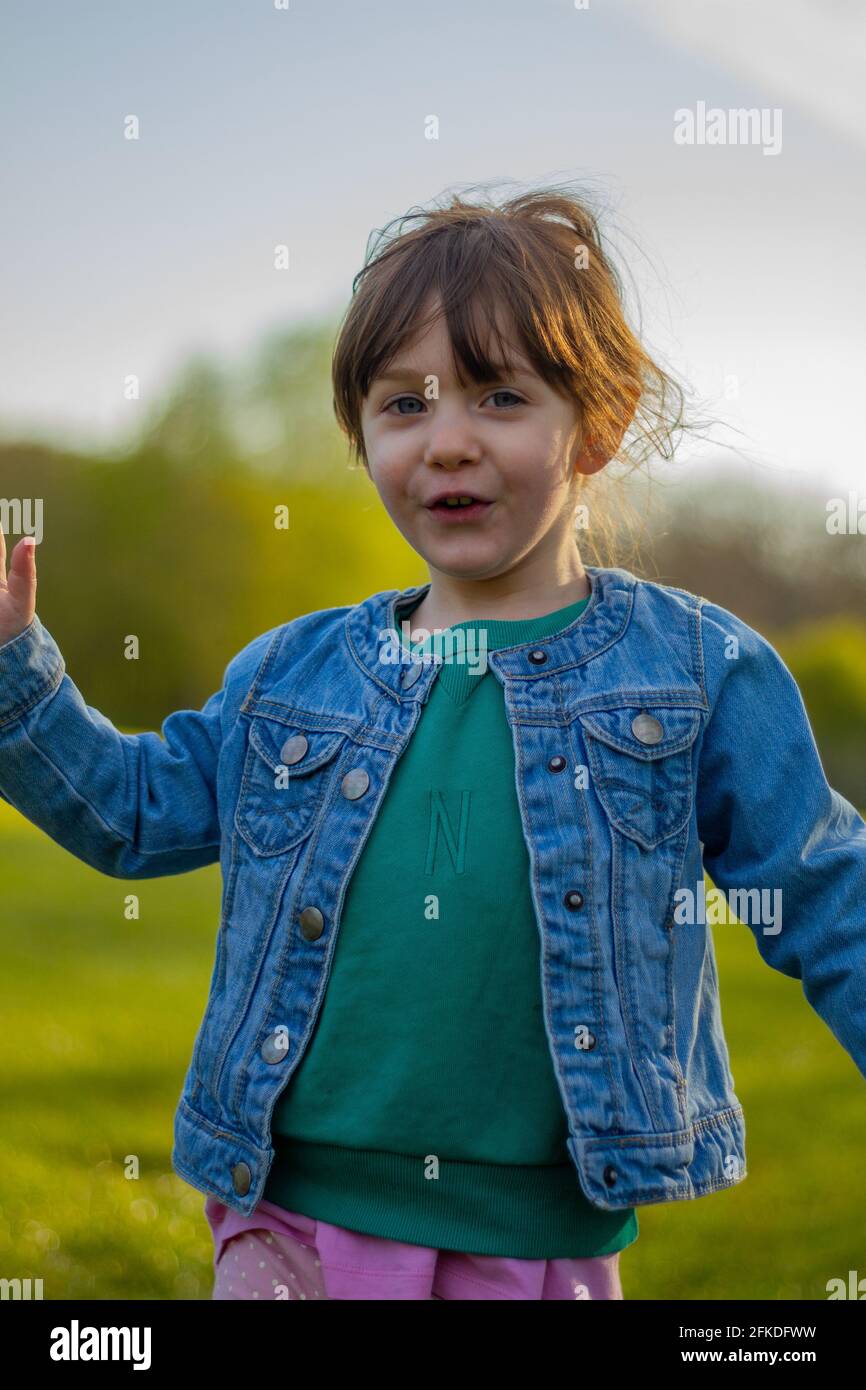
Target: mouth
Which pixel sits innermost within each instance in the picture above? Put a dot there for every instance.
(459, 507)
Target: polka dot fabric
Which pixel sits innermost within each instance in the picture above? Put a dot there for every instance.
(282, 1256)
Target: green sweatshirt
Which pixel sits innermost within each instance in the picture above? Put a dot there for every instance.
(426, 1108)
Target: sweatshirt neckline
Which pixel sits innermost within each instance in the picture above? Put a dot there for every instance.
(499, 632)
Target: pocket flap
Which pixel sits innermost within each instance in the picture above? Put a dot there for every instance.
(672, 729)
(270, 736)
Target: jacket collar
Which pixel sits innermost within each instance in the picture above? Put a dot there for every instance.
(372, 632)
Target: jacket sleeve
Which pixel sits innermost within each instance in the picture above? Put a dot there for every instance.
(131, 806)
(769, 820)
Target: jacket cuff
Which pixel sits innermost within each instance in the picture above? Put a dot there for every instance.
(31, 666)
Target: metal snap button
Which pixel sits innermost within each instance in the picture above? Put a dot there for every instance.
(573, 899)
(537, 657)
(355, 783)
(275, 1047)
(294, 749)
(242, 1179)
(610, 1175)
(312, 923)
(646, 728)
(557, 763)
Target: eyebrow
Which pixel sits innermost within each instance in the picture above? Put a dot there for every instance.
(398, 374)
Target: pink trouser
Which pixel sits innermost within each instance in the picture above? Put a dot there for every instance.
(277, 1254)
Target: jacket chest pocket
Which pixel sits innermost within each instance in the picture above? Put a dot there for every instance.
(287, 773)
(640, 765)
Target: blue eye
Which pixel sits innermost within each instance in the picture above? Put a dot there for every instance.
(413, 399)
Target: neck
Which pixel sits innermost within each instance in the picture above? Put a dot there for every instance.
(451, 600)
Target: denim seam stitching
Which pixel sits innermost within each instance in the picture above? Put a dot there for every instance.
(107, 825)
(53, 684)
(597, 973)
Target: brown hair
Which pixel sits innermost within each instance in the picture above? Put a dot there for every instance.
(540, 255)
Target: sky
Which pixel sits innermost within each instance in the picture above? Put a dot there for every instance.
(303, 123)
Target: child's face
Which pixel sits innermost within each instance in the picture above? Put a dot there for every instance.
(512, 442)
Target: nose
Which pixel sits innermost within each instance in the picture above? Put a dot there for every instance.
(451, 439)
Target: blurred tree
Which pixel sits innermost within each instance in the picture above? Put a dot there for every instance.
(174, 540)
(192, 427)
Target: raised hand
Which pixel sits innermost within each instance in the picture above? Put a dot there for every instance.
(17, 588)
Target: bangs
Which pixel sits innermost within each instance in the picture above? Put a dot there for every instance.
(488, 319)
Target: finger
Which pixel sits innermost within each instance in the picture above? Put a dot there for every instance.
(2, 559)
(21, 579)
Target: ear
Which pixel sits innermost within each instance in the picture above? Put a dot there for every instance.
(587, 460)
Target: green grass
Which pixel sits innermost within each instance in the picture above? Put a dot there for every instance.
(99, 1018)
(100, 1013)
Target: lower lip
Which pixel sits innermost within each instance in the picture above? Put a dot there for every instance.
(474, 512)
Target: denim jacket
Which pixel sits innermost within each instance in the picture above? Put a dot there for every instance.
(656, 736)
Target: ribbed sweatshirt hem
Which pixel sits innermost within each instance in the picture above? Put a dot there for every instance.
(520, 1211)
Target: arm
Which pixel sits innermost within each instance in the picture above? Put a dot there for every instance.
(131, 806)
(768, 819)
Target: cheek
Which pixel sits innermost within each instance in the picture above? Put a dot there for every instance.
(538, 488)
(390, 480)
(390, 453)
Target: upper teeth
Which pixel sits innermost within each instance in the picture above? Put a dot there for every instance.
(457, 501)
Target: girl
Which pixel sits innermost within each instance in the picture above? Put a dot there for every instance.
(463, 1018)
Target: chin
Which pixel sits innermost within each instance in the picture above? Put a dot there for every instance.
(470, 570)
